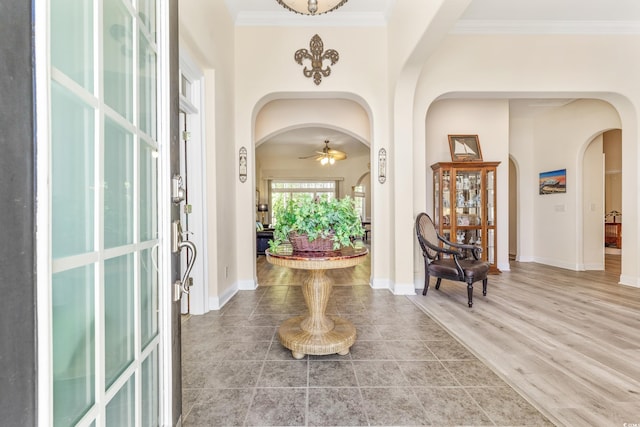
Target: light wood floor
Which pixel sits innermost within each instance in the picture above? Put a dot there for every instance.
(568, 341)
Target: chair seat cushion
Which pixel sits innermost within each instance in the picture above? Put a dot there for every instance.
(474, 270)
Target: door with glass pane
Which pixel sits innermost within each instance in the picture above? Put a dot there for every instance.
(105, 302)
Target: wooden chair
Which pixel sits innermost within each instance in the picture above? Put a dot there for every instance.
(449, 262)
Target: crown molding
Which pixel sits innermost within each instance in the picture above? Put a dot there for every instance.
(546, 27)
(290, 19)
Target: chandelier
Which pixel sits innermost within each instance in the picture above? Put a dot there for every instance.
(311, 7)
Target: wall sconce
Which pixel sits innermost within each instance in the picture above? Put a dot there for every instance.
(242, 160)
(262, 208)
(382, 166)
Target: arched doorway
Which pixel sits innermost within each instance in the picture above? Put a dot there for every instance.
(289, 135)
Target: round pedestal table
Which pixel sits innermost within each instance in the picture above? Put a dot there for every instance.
(316, 333)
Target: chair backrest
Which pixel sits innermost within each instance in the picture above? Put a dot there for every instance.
(426, 232)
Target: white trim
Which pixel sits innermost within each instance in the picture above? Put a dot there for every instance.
(43, 215)
(197, 154)
(556, 263)
(216, 303)
(545, 27)
(290, 19)
(404, 289)
(594, 266)
(504, 266)
(247, 285)
(380, 283)
(629, 281)
(165, 294)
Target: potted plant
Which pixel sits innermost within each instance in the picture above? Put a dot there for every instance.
(306, 220)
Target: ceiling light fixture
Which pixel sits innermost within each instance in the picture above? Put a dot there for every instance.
(311, 7)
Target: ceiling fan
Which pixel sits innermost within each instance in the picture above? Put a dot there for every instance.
(327, 155)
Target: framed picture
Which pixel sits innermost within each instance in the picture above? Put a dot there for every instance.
(553, 182)
(465, 148)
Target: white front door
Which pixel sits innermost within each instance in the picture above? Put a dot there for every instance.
(106, 315)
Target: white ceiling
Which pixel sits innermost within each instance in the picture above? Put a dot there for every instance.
(304, 142)
(532, 16)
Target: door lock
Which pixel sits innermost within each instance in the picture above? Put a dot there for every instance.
(177, 189)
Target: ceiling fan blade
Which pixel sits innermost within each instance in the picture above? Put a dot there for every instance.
(338, 155)
(326, 151)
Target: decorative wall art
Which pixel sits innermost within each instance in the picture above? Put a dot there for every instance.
(242, 164)
(465, 148)
(553, 182)
(382, 165)
(316, 56)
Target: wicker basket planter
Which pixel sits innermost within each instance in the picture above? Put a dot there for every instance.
(301, 243)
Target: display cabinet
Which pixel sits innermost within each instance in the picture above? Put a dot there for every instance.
(464, 205)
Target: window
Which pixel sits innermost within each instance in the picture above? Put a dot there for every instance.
(281, 191)
(358, 197)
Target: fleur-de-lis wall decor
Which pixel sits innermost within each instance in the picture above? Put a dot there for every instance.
(317, 56)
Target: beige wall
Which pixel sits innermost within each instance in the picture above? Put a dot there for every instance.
(528, 66)
(359, 76)
(487, 118)
(207, 32)
(396, 74)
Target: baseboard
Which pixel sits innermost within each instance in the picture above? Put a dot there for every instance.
(381, 284)
(504, 266)
(629, 281)
(555, 263)
(404, 289)
(247, 285)
(216, 303)
(594, 266)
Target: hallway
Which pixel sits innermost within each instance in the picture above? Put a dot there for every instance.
(404, 369)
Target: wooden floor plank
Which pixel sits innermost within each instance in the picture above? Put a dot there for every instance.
(568, 341)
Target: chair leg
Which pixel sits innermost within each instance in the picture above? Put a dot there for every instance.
(438, 283)
(426, 284)
(470, 293)
(484, 287)
(426, 276)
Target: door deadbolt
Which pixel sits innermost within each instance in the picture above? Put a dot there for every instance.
(177, 189)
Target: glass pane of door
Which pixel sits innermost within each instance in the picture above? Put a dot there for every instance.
(73, 344)
(118, 185)
(121, 409)
(72, 48)
(118, 58)
(104, 201)
(118, 316)
(73, 190)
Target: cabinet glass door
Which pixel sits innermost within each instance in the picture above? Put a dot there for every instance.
(446, 205)
(468, 205)
(491, 216)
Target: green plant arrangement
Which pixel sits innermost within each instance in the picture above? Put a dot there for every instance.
(317, 218)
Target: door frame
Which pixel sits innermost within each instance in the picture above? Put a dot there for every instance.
(194, 108)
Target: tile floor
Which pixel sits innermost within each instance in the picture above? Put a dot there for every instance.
(404, 369)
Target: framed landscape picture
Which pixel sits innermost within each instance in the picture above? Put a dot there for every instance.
(465, 148)
(553, 182)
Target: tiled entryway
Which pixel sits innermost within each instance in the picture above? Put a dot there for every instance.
(404, 369)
